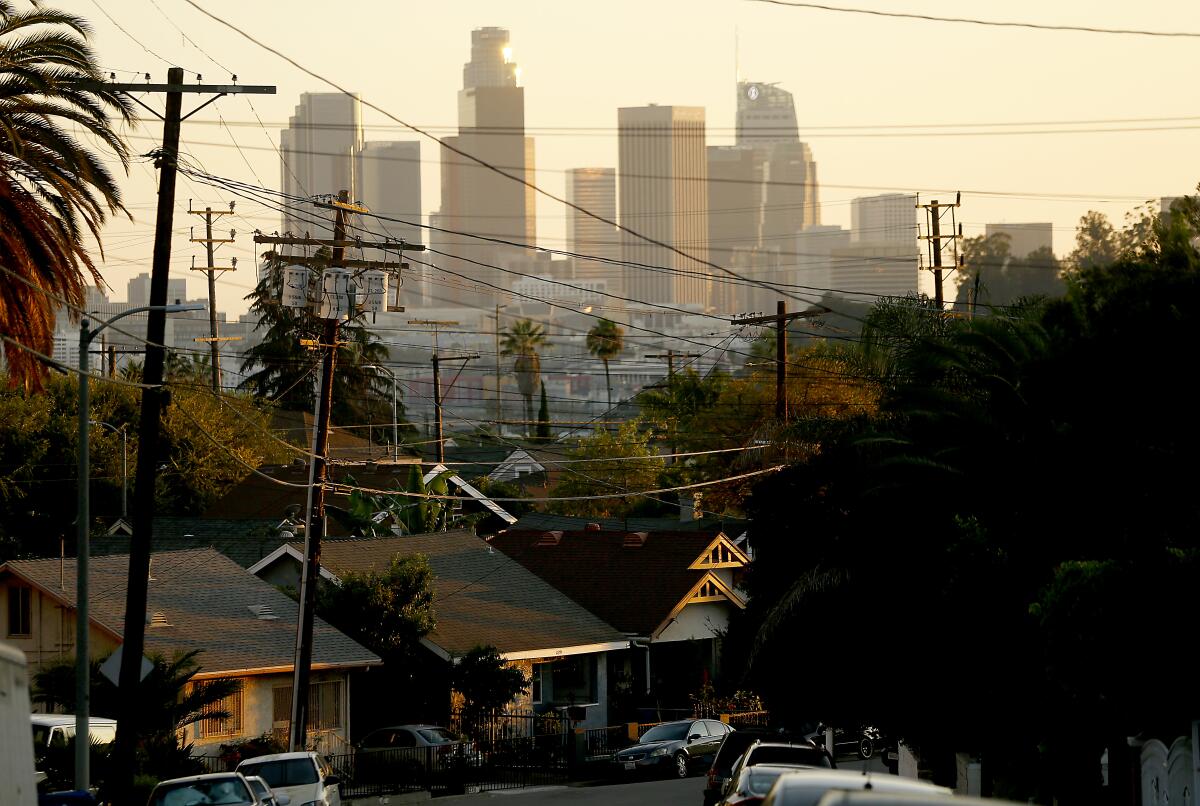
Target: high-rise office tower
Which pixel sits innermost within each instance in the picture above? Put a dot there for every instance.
(663, 173)
(318, 151)
(882, 255)
(735, 218)
(390, 175)
(477, 200)
(765, 115)
(595, 190)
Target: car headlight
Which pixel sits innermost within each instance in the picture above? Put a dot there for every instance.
(660, 751)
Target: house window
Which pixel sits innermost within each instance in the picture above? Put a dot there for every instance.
(231, 725)
(535, 683)
(20, 604)
(324, 706)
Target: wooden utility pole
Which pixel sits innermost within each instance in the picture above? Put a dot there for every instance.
(499, 409)
(780, 322)
(670, 356)
(166, 160)
(437, 360)
(212, 269)
(337, 302)
(933, 214)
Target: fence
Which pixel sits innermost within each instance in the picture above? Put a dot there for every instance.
(747, 719)
(488, 729)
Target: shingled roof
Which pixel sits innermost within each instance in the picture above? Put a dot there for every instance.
(202, 600)
(243, 541)
(481, 596)
(632, 580)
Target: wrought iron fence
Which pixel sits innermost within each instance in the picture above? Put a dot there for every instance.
(600, 744)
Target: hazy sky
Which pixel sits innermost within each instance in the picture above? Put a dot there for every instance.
(580, 61)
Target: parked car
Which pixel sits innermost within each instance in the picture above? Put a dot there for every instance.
(735, 745)
(224, 788)
(807, 787)
(863, 740)
(305, 777)
(674, 748)
(752, 784)
(55, 730)
(263, 790)
(798, 755)
(879, 798)
(411, 749)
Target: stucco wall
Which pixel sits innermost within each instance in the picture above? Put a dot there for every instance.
(52, 630)
(697, 621)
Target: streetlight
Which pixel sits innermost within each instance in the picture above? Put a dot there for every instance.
(82, 664)
(395, 415)
(124, 473)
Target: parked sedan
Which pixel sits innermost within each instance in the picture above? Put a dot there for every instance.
(734, 747)
(752, 784)
(214, 789)
(410, 753)
(674, 748)
(808, 787)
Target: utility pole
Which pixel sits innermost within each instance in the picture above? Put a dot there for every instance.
(166, 160)
(338, 301)
(671, 355)
(933, 217)
(437, 360)
(210, 245)
(499, 412)
(780, 322)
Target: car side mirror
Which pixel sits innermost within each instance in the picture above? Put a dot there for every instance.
(332, 780)
(693, 737)
(283, 799)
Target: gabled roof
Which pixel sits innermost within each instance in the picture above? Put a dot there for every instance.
(633, 580)
(481, 596)
(244, 541)
(209, 602)
(548, 522)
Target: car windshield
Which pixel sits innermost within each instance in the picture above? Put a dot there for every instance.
(260, 788)
(288, 772)
(666, 733)
(806, 756)
(435, 735)
(225, 791)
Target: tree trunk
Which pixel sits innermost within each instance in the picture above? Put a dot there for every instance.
(528, 414)
(607, 382)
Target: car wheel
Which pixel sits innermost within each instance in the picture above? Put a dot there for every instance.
(866, 748)
(681, 766)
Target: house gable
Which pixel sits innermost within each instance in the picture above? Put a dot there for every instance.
(720, 553)
(709, 589)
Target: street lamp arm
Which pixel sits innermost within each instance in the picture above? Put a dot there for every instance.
(187, 306)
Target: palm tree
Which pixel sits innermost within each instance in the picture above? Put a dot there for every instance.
(523, 340)
(605, 340)
(53, 187)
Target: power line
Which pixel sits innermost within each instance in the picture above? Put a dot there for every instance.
(1087, 29)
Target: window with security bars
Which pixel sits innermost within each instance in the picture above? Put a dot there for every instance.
(222, 726)
(324, 706)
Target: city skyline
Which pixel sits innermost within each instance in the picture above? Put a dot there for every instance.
(571, 109)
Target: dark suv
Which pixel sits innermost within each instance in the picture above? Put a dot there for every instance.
(737, 743)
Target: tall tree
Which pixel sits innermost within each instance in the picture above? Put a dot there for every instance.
(281, 370)
(605, 341)
(523, 340)
(1095, 242)
(53, 186)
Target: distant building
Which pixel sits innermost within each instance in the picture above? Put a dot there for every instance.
(735, 218)
(390, 173)
(137, 290)
(766, 114)
(889, 219)
(813, 258)
(1024, 238)
(318, 153)
(477, 200)
(595, 190)
(664, 195)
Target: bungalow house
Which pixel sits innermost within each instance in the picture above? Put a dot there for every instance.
(482, 597)
(199, 599)
(671, 593)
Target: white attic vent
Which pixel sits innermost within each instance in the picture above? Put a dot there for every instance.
(158, 619)
(262, 612)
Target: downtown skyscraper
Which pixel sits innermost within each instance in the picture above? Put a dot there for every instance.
(664, 195)
(318, 153)
(595, 190)
(477, 200)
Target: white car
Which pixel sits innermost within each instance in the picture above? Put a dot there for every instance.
(305, 777)
(223, 788)
(807, 787)
(53, 730)
(263, 790)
